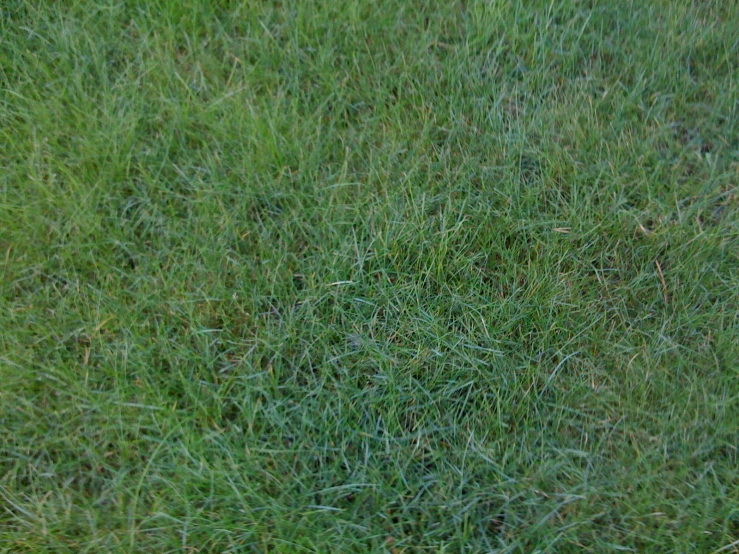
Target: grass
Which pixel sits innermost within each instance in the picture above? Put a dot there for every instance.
(351, 276)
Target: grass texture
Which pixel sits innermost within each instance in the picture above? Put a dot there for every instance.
(369, 276)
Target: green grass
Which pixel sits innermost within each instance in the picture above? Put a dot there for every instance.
(352, 276)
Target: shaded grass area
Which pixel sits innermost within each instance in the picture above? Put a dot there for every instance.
(351, 276)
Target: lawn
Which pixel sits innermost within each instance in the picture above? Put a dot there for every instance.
(369, 276)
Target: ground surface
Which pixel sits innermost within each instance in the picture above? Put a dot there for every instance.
(362, 276)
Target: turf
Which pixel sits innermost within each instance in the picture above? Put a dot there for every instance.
(351, 276)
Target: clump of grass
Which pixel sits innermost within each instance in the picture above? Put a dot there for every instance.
(351, 276)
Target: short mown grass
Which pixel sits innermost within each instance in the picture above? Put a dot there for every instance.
(352, 276)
